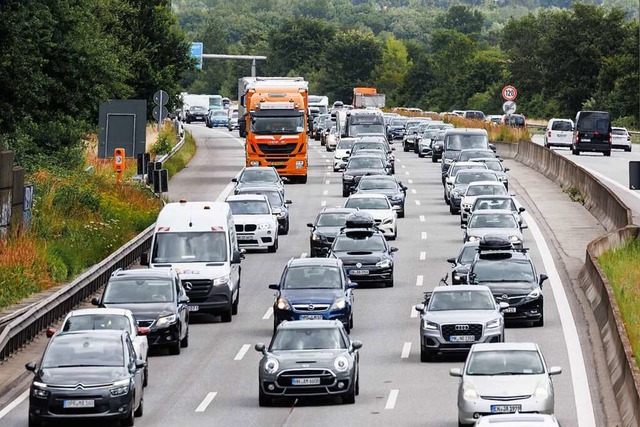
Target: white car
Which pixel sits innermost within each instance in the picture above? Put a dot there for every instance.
(504, 378)
(380, 208)
(341, 154)
(255, 221)
(559, 133)
(109, 318)
(479, 188)
(620, 138)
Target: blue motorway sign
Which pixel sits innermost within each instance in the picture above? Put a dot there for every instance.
(197, 49)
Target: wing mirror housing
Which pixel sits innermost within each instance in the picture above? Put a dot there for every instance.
(543, 277)
(274, 286)
(95, 301)
(503, 305)
(237, 257)
(184, 300)
(521, 209)
(140, 364)
(234, 179)
(451, 260)
(523, 226)
(463, 226)
(288, 202)
(260, 348)
(455, 372)
(356, 345)
(353, 285)
(419, 308)
(31, 367)
(310, 225)
(285, 179)
(393, 249)
(555, 370)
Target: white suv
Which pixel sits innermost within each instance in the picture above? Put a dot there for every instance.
(256, 223)
(559, 133)
(379, 207)
(620, 138)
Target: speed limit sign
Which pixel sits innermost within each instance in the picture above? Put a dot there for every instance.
(509, 93)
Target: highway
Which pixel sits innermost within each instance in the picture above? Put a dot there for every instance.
(215, 380)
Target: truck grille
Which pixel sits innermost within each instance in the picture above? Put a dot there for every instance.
(474, 329)
(277, 149)
(246, 227)
(199, 290)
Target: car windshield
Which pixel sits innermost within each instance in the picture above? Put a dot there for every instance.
(138, 291)
(265, 125)
(82, 351)
(249, 207)
(312, 277)
(377, 183)
(398, 121)
(308, 339)
(259, 175)
(562, 125)
(505, 362)
(481, 190)
(617, 131)
(467, 178)
(275, 198)
(368, 203)
(461, 142)
(494, 165)
(462, 300)
(457, 167)
(345, 145)
(220, 113)
(468, 254)
(367, 243)
(487, 220)
(86, 322)
(503, 270)
(332, 220)
(365, 163)
(191, 246)
(430, 134)
(466, 155)
(197, 108)
(355, 130)
(493, 204)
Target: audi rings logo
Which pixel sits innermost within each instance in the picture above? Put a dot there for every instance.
(462, 327)
(311, 307)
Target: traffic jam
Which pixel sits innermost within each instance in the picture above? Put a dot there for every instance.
(193, 267)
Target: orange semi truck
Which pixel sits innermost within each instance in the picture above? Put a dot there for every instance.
(367, 97)
(275, 113)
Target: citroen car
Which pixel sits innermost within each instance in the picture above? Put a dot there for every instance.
(380, 208)
(503, 378)
(308, 358)
(157, 300)
(87, 375)
(462, 262)
(505, 224)
(359, 166)
(364, 251)
(314, 289)
(460, 183)
(325, 228)
(279, 206)
(256, 223)
(259, 176)
(455, 318)
(395, 190)
(475, 190)
(511, 275)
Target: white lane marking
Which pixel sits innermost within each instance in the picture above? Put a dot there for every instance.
(423, 256)
(406, 350)
(403, 166)
(391, 401)
(327, 160)
(328, 182)
(406, 173)
(329, 167)
(16, 402)
(324, 156)
(419, 280)
(414, 313)
(243, 350)
(616, 183)
(323, 203)
(268, 314)
(227, 190)
(303, 255)
(579, 379)
(206, 402)
(410, 181)
(424, 235)
(422, 218)
(417, 202)
(413, 191)
(325, 192)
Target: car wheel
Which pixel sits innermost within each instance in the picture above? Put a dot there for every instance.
(446, 199)
(174, 350)
(461, 424)
(130, 419)
(434, 159)
(34, 423)
(140, 409)
(628, 149)
(345, 192)
(539, 323)
(389, 284)
(420, 155)
(405, 148)
(146, 375)
(350, 397)
(452, 210)
(234, 306)
(263, 399)
(607, 153)
(273, 248)
(426, 355)
(286, 228)
(227, 316)
(401, 212)
(184, 343)
(336, 170)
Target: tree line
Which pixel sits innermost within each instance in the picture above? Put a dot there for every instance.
(421, 54)
(61, 58)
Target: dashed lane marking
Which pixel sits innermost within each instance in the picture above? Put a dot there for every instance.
(406, 350)
(423, 256)
(268, 314)
(419, 280)
(243, 350)
(393, 397)
(206, 402)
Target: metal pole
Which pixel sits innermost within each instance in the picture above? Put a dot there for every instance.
(160, 113)
(253, 67)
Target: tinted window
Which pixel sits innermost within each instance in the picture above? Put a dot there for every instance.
(355, 130)
(398, 121)
(199, 246)
(312, 278)
(345, 145)
(365, 203)
(561, 126)
(456, 167)
(369, 243)
(85, 350)
(619, 132)
(368, 146)
(461, 142)
(589, 121)
(506, 204)
(466, 178)
(371, 184)
(138, 291)
(365, 163)
(275, 198)
(259, 175)
(332, 220)
(97, 321)
(248, 207)
(466, 155)
(308, 339)
(492, 221)
(494, 165)
(505, 362)
(478, 190)
(461, 300)
(497, 270)
(265, 125)
(468, 254)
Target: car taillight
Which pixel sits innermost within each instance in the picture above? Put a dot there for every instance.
(577, 139)
(549, 134)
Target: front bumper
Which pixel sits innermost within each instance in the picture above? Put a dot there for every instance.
(338, 164)
(259, 239)
(105, 405)
(297, 314)
(525, 309)
(433, 339)
(470, 410)
(374, 274)
(210, 299)
(280, 385)
(165, 336)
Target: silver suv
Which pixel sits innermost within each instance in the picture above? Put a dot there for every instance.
(456, 317)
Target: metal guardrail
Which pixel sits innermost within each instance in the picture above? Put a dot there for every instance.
(181, 133)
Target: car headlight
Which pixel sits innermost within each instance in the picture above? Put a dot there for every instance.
(341, 364)
(455, 193)
(281, 215)
(466, 206)
(469, 392)
(456, 277)
(339, 304)
(396, 197)
(166, 321)
(265, 226)
(534, 294)
(283, 304)
(347, 177)
(271, 365)
(515, 239)
(473, 238)
(39, 390)
(387, 220)
(120, 388)
(318, 237)
(426, 324)
(495, 323)
(385, 263)
(221, 281)
(542, 390)
(448, 161)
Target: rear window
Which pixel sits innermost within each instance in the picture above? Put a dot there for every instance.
(561, 126)
(619, 131)
(589, 121)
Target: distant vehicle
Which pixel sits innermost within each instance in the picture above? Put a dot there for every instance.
(458, 139)
(493, 202)
(559, 133)
(259, 176)
(460, 183)
(395, 190)
(395, 129)
(475, 190)
(380, 208)
(365, 97)
(233, 119)
(217, 118)
(325, 228)
(473, 114)
(494, 119)
(359, 166)
(341, 154)
(462, 262)
(256, 225)
(493, 223)
(196, 113)
(226, 103)
(279, 205)
(192, 100)
(515, 120)
(592, 132)
(320, 102)
(620, 138)
(495, 164)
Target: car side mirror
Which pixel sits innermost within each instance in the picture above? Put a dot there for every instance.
(356, 345)
(348, 152)
(31, 366)
(237, 257)
(393, 249)
(455, 372)
(260, 348)
(555, 370)
(50, 332)
(288, 202)
(419, 308)
(523, 226)
(140, 364)
(404, 188)
(352, 285)
(144, 258)
(275, 286)
(396, 208)
(493, 147)
(521, 209)
(393, 148)
(463, 226)
(543, 277)
(234, 179)
(507, 169)
(285, 179)
(451, 260)
(143, 330)
(503, 305)
(310, 225)
(95, 301)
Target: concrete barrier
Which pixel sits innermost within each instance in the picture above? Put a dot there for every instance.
(506, 150)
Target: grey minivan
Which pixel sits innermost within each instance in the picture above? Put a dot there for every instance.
(592, 133)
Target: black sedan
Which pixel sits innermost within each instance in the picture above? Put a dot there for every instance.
(325, 228)
(462, 262)
(87, 375)
(358, 167)
(259, 176)
(197, 114)
(157, 300)
(279, 205)
(395, 190)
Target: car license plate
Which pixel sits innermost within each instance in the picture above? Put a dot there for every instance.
(278, 163)
(506, 408)
(305, 381)
(509, 310)
(462, 338)
(560, 135)
(311, 317)
(359, 272)
(241, 237)
(585, 139)
(78, 403)
(194, 308)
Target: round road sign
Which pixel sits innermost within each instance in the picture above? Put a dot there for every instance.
(509, 107)
(157, 110)
(509, 93)
(160, 98)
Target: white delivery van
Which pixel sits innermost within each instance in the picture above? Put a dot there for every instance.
(198, 239)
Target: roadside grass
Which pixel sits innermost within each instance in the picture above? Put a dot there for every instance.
(622, 268)
(181, 158)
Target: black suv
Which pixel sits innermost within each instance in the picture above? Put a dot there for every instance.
(592, 132)
(462, 262)
(358, 167)
(325, 228)
(157, 300)
(512, 278)
(363, 249)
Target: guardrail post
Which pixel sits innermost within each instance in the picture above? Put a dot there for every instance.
(17, 198)
(6, 187)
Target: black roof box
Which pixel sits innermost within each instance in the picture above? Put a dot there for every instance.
(494, 243)
(360, 220)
